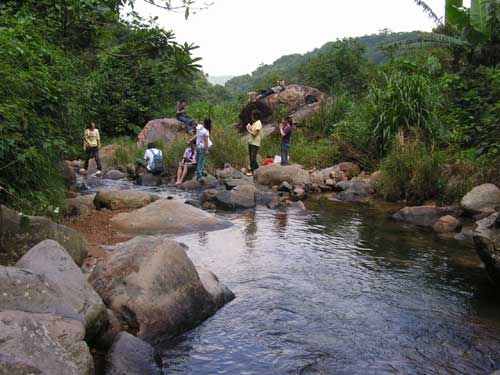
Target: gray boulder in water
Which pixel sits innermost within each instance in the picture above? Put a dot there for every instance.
(153, 288)
(130, 355)
(353, 191)
(242, 196)
(18, 233)
(424, 216)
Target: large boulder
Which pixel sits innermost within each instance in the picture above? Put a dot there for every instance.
(242, 196)
(130, 355)
(167, 217)
(487, 242)
(165, 130)
(123, 199)
(19, 233)
(51, 261)
(272, 174)
(483, 198)
(295, 99)
(42, 344)
(153, 287)
(424, 216)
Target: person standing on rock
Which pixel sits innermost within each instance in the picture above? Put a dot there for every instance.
(91, 146)
(181, 115)
(203, 144)
(286, 141)
(188, 161)
(254, 130)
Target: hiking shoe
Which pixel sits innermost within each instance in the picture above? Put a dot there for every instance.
(83, 170)
(98, 173)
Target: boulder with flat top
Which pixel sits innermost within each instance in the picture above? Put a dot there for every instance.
(167, 217)
(483, 198)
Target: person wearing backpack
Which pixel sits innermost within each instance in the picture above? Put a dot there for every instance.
(153, 160)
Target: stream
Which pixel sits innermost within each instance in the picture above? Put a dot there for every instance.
(341, 290)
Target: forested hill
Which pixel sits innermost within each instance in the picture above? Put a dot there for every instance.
(289, 66)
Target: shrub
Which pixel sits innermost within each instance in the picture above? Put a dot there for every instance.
(411, 171)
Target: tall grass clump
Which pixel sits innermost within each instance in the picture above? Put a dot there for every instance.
(412, 171)
(405, 102)
(127, 152)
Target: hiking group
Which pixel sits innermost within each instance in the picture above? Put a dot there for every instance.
(200, 143)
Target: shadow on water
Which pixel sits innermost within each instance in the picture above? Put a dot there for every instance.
(341, 290)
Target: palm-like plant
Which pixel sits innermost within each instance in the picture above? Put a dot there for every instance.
(462, 27)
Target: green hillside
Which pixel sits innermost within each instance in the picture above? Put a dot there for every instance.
(288, 66)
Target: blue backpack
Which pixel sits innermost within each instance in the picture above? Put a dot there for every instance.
(157, 163)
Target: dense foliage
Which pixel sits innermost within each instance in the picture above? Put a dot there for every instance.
(65, 63)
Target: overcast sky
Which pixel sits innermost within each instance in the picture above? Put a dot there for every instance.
(236, 36)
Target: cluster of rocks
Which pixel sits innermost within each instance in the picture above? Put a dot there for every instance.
(146, 290)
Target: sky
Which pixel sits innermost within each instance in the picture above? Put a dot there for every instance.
(236, 36)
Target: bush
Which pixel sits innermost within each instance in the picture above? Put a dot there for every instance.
(412, 171)
(41, 120)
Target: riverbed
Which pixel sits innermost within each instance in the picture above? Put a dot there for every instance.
(339, 289)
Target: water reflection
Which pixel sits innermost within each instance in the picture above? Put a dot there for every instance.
(340, 291)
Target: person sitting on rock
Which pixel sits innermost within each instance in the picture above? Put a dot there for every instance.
(271, 91)
(188, 162)
(181, 115)
(153, 160)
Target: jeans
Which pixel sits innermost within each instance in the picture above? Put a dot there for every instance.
(285, 148)
(201, 156)
(92, 152)
(253, 151)
(187, 122)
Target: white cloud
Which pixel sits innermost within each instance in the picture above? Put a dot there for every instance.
(235, 36)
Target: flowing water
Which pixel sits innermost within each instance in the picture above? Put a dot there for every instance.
(339, 290)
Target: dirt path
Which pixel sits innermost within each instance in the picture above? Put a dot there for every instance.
(96, 229)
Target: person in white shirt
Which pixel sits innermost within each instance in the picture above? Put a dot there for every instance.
(153, 160)
(203, 144)
(188, 162)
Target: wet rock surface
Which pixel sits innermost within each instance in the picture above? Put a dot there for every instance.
(123, 199)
